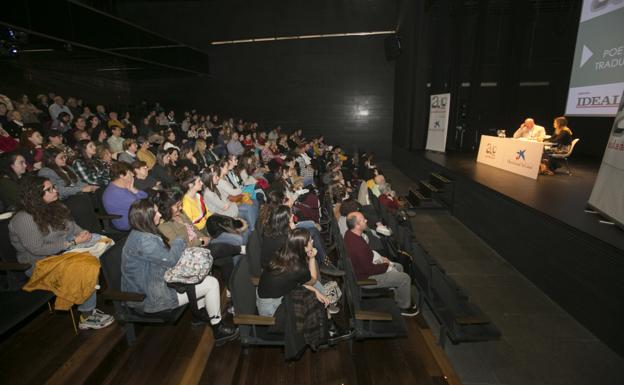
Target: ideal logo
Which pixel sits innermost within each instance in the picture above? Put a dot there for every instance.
(520, 154)
(597, 101)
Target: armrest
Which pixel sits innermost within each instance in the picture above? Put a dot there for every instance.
(107, 216)
(14, 266)
(369, 315)
(255, 281)
(252, 319)
(114, 295)
(366, 282)
(472, 320)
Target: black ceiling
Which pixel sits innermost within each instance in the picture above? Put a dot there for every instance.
(71, 35)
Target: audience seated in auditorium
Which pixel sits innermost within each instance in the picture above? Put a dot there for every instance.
(142, 180)
(31, 147)
(62, 176)
(120, 194)
(193, 204)
(212, 197)
(147, 254)
(129, 153)
(367, 264)
(144, 154)
(89, 167)
(43, 227)
(12, 170)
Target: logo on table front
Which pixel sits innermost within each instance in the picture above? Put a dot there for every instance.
(520, 154)
(490, 151)
(519, 159)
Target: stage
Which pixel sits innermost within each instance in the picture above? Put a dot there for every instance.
(562, 197)
(540, 227)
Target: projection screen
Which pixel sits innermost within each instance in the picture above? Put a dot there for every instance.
(597, 79)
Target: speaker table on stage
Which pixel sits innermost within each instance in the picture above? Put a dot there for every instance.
(522, 157)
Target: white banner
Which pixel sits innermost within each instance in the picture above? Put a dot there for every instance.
(439, 108)
(521, 157)
(608, 193)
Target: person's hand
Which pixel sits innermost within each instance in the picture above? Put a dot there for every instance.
(321, 298)
(82, 237)
(89, 188)
(227, 206)
(311, 253)
(385, 260)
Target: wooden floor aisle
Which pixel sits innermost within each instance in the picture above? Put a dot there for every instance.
(415, 359)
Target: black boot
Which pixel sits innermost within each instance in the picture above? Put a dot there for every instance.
(223, 333)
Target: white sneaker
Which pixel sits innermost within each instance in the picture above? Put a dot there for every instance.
(96, 320)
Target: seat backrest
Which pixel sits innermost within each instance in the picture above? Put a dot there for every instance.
(7, 252)
(572, 145)
(111, 265)
(83, 212)
(242, 290)
(254, 253)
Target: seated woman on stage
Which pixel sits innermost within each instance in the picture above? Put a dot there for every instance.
(562, 139)
(147, 254)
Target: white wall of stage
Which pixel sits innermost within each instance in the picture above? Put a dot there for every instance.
(521, 157)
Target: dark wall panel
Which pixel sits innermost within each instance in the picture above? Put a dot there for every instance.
(341, 87)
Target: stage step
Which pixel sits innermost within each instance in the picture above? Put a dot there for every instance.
(439, 180)
(427, 189)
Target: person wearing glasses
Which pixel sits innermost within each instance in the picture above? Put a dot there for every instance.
(43, 227)
(61, 175)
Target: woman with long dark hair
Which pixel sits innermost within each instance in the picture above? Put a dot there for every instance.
(42, 227)
(215, 202)
(163, 169)
(88, 167)
(193, 204)
(147, 254)
(12, 169)
(61, 175)
(31, 147)
(292, 266)
(229, 188)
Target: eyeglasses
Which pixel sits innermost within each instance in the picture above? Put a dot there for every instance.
(49, 189)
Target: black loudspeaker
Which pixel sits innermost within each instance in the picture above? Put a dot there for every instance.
(392, 45)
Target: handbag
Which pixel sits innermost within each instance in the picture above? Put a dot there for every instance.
(236, 198)
(192, 267)
(333, 291)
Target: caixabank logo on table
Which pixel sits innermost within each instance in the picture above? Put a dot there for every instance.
(518, 158)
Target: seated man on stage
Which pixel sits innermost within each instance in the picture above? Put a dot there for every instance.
(530, 130)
